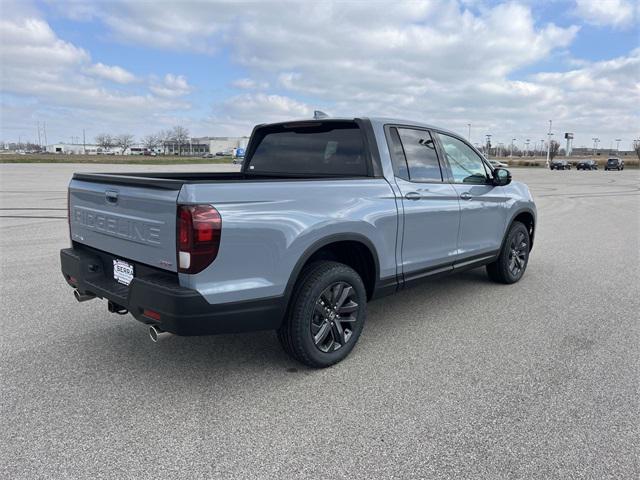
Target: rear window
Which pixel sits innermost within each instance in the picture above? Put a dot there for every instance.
(330, 148)
(612, 160)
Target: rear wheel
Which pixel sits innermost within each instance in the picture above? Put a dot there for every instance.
(514, 256)
(326, 315)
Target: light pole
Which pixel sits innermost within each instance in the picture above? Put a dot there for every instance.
(527, 151)
(618, 140)
(488, 144)
(469, 136)
(549, 143)
(596, 140)
(512, 140)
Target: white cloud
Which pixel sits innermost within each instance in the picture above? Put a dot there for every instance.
(435, 60)
(262, 108)
(249, 84)
(616, 13)
(44, 78)
(598, 99)
(111, 72)
(172, 86)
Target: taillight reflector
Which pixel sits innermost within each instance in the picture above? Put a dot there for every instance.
(198, 237)
(69, 213)
(151, 314)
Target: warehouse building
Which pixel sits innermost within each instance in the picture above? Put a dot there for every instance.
(222, 144)
(74, 148)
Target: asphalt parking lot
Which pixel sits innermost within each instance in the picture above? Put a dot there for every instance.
(457, 378)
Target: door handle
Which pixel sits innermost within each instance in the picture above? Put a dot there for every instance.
(111, 196)
(465, 196)
(412, 196)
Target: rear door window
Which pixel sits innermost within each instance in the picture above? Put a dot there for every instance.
(420, 153)
(330, 148)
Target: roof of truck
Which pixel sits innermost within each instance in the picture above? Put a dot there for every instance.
(374, 120)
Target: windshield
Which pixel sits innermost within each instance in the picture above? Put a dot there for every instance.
(331, 148)
(612, 160)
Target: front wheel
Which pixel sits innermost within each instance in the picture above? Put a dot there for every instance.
(514, 256)
(326, 314)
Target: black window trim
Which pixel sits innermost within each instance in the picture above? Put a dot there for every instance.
(444, 169)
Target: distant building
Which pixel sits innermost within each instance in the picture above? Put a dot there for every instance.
(195, 146)
(588, 151)
(72, 148)
(81, 149)
(223, 144)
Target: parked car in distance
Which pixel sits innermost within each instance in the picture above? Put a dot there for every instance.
(207, 155)
(614, 163)
(560, 165)
(220, 154)
(498, 164)
(324, 216)
(587, 165)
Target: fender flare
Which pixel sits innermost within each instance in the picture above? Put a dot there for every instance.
(323, 242)
(512, 219)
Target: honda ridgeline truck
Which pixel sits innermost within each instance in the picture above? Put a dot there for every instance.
(324, 216)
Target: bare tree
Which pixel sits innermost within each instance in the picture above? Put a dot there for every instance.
(164, 139)
(553, 149)
(104, 140)
(151, 141)
(180, 135)
(124, 141)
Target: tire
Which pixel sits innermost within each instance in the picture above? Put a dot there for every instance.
(502, 270)
(309, 319)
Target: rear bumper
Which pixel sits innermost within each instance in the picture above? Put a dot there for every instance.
(183, 311)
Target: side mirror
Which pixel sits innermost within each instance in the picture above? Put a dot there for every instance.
(501, 177)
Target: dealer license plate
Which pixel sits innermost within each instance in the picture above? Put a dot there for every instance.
(122, 272)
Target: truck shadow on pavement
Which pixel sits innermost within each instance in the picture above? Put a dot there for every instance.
(126, 340)
(108, 353)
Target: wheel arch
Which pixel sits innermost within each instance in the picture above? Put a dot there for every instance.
(526, 217)
(352, 249)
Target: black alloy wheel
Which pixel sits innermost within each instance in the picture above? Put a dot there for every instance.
(326, 315)
(518, 252)
(512, 262)
(334, 317)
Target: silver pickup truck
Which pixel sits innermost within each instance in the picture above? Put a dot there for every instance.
(324, 216)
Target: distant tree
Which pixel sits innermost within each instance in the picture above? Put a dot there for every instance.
(104, 140)
(124, 141)
(180, 135)
(151, 141)
(636, 147)
(164, 139)
(553, 149)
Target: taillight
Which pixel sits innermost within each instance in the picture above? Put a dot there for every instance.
(198, 237)
(69, 213)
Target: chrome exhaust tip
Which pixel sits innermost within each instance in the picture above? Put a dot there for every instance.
(156, 334)
(82, 297)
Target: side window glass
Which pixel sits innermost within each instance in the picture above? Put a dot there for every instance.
(397, 155)
(420, 151)
(466, 165)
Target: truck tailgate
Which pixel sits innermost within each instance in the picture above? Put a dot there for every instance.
(133, 222)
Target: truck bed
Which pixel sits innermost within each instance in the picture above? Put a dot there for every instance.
(168, 180)
(175, 180)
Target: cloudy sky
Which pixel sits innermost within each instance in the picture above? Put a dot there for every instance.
(219, 67)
